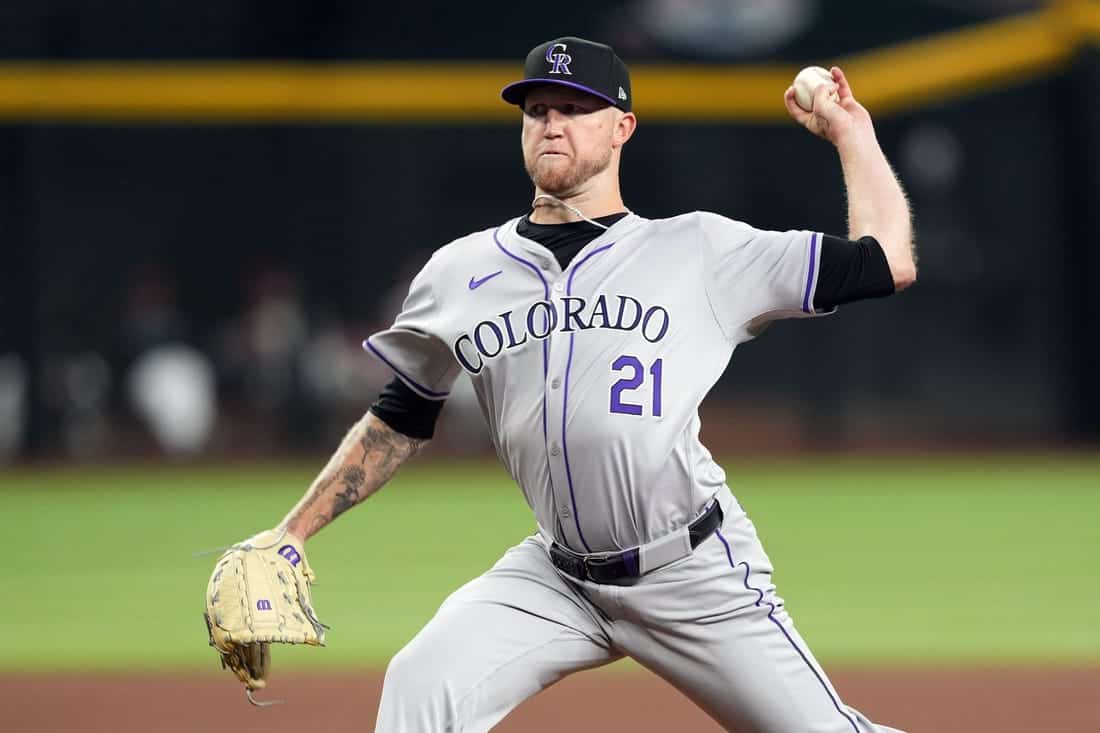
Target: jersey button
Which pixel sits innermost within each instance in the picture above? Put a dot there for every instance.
(555, 383)
(554, 449)
(559, 287)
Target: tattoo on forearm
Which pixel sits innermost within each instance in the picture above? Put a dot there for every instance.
(354, 476)
(351, 478)
(387, 447)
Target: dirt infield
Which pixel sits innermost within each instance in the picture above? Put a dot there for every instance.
(932, 701)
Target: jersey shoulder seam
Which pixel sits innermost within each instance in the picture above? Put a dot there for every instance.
(468, 240)
(705, 244)
(454, 251)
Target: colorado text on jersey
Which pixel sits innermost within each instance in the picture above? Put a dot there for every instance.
(490, 338)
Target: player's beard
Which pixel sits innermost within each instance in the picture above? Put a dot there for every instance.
(559, 181)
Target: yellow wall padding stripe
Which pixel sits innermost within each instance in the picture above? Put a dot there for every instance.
(253, 92)
(886, 80)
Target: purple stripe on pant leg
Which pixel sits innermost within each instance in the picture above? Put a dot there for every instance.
(565, 398)
(779, 625)
(807, 306)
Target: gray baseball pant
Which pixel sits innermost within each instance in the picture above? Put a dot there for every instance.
(710, 624)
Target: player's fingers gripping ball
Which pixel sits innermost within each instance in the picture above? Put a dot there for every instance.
(807, 83)
(258, 594)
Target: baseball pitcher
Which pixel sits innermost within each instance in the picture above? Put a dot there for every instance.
(591, 335)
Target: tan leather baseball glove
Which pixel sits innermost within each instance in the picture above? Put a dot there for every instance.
(259, 595)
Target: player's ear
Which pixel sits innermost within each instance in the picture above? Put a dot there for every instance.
(625, 125)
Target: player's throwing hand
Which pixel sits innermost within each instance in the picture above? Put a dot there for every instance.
(832, 120)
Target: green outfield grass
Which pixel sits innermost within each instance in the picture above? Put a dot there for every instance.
(915, 560)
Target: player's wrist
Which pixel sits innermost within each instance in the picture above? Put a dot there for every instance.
(855, 139)
(292, 533)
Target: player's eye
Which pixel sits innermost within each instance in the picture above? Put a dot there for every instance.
(536, 110)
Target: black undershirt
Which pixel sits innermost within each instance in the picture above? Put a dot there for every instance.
(849, 271)
(407, 412)
(565, 240)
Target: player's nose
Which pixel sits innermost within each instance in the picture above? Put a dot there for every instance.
(555, 122)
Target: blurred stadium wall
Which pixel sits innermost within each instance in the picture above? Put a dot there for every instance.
(206, 206)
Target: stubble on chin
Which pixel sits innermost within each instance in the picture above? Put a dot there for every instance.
(560, 180)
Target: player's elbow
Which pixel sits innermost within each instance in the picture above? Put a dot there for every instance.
(902, 260)
(905, 274)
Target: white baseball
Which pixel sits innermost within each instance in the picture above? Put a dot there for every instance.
(807, 82)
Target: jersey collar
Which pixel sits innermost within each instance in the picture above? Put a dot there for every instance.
(545, 257)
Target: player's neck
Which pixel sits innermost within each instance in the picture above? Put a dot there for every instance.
(548, 211)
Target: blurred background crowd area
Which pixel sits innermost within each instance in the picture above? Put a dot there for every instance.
(197, 280)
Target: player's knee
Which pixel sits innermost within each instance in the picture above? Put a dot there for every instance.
(412, 700)
(413, 680)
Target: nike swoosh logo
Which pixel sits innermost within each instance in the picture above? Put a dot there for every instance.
(476, 283)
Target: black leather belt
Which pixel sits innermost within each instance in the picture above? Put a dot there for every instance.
(609, 568)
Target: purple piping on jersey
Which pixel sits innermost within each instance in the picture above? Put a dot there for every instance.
(565, 398)
(774, 620)
(546, 297)
(545, 346)
(574, 85)
(411, 382)
(806, 305)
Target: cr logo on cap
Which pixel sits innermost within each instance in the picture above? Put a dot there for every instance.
(560, 61)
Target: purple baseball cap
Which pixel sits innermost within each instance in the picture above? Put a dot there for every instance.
(574, 62)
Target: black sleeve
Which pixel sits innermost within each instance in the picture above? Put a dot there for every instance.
(851, 271)
(407, 412)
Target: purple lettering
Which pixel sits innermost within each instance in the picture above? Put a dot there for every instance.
(496, 334)
(664, 324)
(512, 343)
(292, 556)
(465, 362)
(599, 309)
(623, 300)
(550, 319)
(572, 313)
(626, 384)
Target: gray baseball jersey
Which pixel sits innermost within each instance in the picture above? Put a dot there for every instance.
(590, 378)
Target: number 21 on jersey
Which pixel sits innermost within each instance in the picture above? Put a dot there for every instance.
(635, 379)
